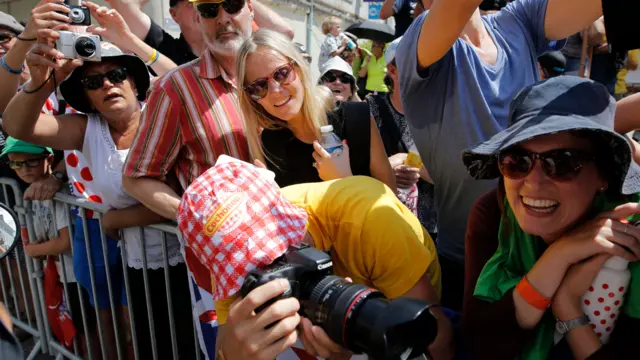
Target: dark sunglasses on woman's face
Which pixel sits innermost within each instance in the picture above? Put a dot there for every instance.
(331, 76)
(211, 10)
(95, 82)
(15, 165)
(558, 164)
(6, 37)
(283, 75)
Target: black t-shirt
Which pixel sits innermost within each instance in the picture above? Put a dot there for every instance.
(291, 160)
(178, 50)
(403, 16)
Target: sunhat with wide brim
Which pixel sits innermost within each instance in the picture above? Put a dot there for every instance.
(564, 103)
(74, 92)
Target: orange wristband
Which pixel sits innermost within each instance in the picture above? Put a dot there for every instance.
(531, 295)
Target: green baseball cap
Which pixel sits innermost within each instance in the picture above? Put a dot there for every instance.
(13, 145)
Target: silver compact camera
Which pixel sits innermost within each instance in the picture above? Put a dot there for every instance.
(79, 46)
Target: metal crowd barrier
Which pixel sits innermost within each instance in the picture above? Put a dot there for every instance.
(20, 275)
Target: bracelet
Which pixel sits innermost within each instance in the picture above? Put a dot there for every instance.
(155, 55)
(26, 39)
(9, 69)
(531, 295)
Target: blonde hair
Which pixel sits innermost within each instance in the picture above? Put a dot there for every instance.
(318, 100)
(329, 22)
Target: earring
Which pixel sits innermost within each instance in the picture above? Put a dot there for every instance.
(602, 189)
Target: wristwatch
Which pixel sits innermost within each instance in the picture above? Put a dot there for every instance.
(59, 175)
(563, 327)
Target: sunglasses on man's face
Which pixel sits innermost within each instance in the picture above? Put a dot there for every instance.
(558, 164)
(331, 76)
(211, 10)
(6, 37)
(15, 165)
(95, 82)
(283, 75)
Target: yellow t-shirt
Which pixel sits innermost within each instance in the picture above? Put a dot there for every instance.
(374, 239)
(621, 84)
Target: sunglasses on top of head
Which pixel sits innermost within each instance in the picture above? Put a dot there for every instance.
(95, 82)
(211, 10)
(557, 164)
(283, 75)
(331, 76)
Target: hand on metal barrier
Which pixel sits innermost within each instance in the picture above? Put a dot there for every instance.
(43, 189)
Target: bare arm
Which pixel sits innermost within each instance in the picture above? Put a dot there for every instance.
(628, 114)
(15, 60)
(114, 28)
(442, 27)
(23, 120)
(138, 21)
(567, 17)
(136, 215)
(269, 19)
(387, 9)
(379, 163)
(154, 194)
(59, 245)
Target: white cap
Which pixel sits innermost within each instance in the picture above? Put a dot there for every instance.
(337, 63)
(326, 128)
(390, 54)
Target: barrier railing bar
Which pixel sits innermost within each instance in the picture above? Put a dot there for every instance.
(12, 289)
(21, 281)
(112, 300)
(4, 289)
(87, 240)
(85, 324)
(67, 297)
(167, 280)
(63, 351)
(37, 286)
(147, 297)
(36, 349)
(24, 326)
(127, 287)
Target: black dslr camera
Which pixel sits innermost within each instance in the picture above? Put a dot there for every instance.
(79, 15)
(357, 317)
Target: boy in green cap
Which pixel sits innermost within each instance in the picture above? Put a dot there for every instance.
(32, 163)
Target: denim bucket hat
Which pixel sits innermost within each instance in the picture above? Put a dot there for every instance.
(564, 103)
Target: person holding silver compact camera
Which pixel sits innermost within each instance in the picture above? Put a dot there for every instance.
(108, 86)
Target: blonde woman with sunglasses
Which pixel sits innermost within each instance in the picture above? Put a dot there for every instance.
(284, 110)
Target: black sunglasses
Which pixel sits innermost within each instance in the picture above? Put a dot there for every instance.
(331, 76)
(558, 164)
(283, 75)
(95, 82)
(6, 37)
(211, 10)
(15, 165)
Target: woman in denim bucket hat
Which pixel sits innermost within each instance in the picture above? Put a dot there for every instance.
(535, 245)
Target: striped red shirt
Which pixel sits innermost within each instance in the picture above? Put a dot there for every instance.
(192, 117)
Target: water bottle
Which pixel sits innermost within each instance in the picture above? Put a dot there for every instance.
(409, 196)
(603, 301)
(330, 141)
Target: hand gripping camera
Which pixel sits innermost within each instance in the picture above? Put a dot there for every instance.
(79, 46)
(357, 317)
(79, 15)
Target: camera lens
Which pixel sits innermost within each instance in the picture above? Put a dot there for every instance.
(362, 320)
(85, 47)
(76, 16)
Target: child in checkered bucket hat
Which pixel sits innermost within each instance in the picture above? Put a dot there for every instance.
(234, 219)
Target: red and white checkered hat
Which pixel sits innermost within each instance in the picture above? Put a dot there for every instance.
(235, 219)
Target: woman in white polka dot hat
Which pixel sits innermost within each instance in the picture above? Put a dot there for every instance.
(110, 95)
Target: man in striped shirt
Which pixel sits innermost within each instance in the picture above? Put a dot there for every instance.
(192, 117)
